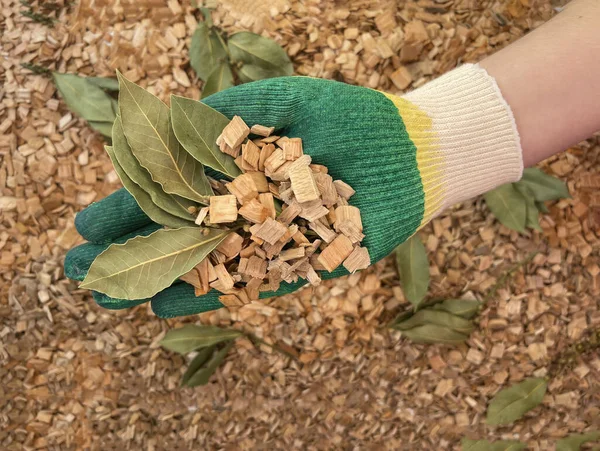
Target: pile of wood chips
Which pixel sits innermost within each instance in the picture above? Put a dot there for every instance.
(316, 229)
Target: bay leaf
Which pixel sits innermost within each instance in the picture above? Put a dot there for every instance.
(541, 206)
(197, 127)
(509, 206)
(105, 83)
(105, 128)
(202, 376)
(512, 403)
(191, 337)
(84, 98)
(413, 267)
(143, 266)
(207, 13)
(197, 362)
(434, 334)
(532, 214)
(206, 51)
(543, 186)
(254, 72)
(573, 442)
(251, 48)
(438, 318)
(147, 126)
(154, 212)
(171, 203)
(486, 445)
(219, 79)
(465, 308)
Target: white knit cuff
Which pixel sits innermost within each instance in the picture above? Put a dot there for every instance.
(466, 136)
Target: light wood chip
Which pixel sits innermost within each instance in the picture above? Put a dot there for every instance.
(272, 250)
(235, 132)
(281, 141)
(223, 209)
(287, 196)
(270, 231)
(335, 253)
(256, 267)
(292, 149)
(274, 161)
(265, 153)
(343, 189)
(358, 259)
(267, 200)
(313, 210)
(289, 213)
(326, 188)
(243, 164)
(248, 251)
(233, 151)
(351, 230)
(202, 215)
(299, 238)
(323, 231)
(231, 301)
(225, 279)
(254, 211)
(312, 277)
(251, 154)
(292, 254)
(253, 288)
(319, 168)
(303, 184)
(231, 245)
(281, 174)
(261, 130)
(262, 185)
(243, 188)
(347, 212)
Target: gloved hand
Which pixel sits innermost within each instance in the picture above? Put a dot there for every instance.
(407, 158)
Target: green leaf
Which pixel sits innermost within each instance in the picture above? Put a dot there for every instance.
(105, 83)
(512, 403)
(219, 79)
(541, 206)
(105, 128)
(573, 442)
(436, 318)
(202, 376)
(206, 12)
(485, 445)
(197, 127)
(203, 355)
(509, 206)
(145, 265)
(543, 186)
(532, 215)
(253, 72)
(171, 203)
(154, 212)
(206, 51)
(253, 49)
(84, 98)
(413, 267)
(147, 126)
(434, 334)
(465, 308)
(191, 337)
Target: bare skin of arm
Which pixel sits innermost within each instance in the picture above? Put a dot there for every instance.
(550, 78)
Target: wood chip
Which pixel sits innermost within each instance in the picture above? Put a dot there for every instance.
(261, 130)
(251, 154)
(260, 181)
(265, 153)
(267, 200)
(351, 230)
(323, 231)
(243, 188)
(256, 267)
(202, 215)
(312, 210)
(347, 213)
(226, 282)
(358, 259)
(254, 211)
(326, 188)
(335, 253)
(289, 213)
(235, 132)
(343, 189)
(274, 161)
(292, 254)
(223, 209)
(292, 149)
(303, 184)
(270, 231)
(231, 245)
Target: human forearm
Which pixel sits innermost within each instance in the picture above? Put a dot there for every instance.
(550, 80)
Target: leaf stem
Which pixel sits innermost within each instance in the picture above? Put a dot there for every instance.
(258, 341)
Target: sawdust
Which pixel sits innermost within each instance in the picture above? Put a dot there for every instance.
(74, 376)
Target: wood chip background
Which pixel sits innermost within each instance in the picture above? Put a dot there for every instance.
(75, 376)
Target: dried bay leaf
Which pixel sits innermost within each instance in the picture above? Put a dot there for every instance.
(154, 212)
(413, 267)
(544, 187)
(508, 205)
(105, 128)
(171, 203)
(202, 375)
(541, 206)
(197, 127)
(253, 72)
(219, 79)
(147, 126)
(486, 445)
(206, 51)
(143, 266)
(201, 358)
(191, 337)
(439, 318)
(85, 98)
(532, 214)
(251, 48)
(434, 334)
(105, 83)
(465, 308)
(512, 403)
(573, 442)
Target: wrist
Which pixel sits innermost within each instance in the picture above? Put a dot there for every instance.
(465, 136)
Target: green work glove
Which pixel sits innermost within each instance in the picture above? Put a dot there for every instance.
(407, 158)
